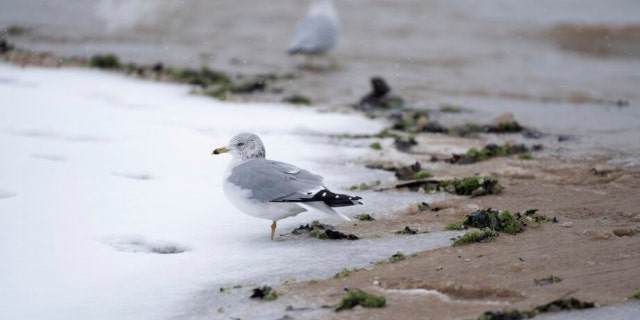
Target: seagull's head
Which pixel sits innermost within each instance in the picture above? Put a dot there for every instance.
(243, 146)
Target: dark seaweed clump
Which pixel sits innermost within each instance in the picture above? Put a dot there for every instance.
(563, 304)
(491, 221)
(264, 293)
(503, 220)
(355, 297)
(323, 231)
(379, 97)
(491, 151)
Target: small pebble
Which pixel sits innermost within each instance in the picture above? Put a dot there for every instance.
(623, 232)
(567, 224)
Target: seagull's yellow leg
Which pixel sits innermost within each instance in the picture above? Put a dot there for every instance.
(273, 229)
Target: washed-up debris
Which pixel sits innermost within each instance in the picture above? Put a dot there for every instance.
(491, 151)
(355, 297)
(547, 280)
(375, 146)
(562, 304)
(474, 236)
(379, 97)
(364, 217)
(635, 295)
(264, 293)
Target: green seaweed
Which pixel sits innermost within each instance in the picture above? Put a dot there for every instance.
(364, 217)
(450, 108)
(474, 236)
(470, 186)
(422, 174)
(376, 146)
(355, 297)
(489, 151)
(16, 30)
(495, 220)
(364, 186)
(343, 273)
(635, 295)
(398, 256)
(526, 156)
(297, 99)
(105, 61)
(455, 226)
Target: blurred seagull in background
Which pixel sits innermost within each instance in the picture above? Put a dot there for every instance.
(317, 33)
(274, 190)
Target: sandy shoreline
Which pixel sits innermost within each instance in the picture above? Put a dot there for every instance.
(594, 264)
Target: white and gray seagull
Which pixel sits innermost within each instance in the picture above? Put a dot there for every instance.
(317, 33)
(274, 190)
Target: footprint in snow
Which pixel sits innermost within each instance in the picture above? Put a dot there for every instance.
(142, 245)
(49, 157)
(131, 175)
(6, 194)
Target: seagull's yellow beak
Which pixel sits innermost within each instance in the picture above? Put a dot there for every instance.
(220, 150)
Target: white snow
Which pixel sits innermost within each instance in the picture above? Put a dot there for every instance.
(111, 205)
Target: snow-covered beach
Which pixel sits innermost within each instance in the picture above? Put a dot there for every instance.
(112, 206)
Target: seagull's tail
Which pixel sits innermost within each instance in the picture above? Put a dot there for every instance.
(323, 207)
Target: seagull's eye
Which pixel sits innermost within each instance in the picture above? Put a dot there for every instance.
(240, 144)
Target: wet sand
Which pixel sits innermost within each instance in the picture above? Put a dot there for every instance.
(552, 75)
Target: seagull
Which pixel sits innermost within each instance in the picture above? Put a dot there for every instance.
(274, 190)
(317, 33)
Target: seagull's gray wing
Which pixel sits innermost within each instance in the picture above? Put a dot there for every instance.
(314, 34)
(271, 180)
